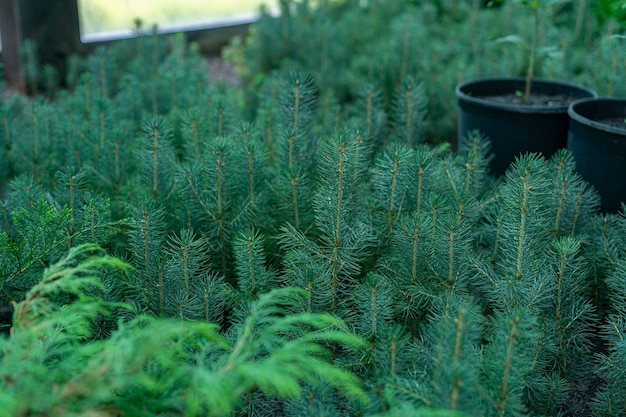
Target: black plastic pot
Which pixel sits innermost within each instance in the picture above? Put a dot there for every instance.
(6, 319)
(514, 129)
(599, 147)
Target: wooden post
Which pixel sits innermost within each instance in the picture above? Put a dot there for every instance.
(11, 32)
(52, 25)
(55, 29)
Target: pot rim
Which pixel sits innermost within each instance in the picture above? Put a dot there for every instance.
(462, 96)
(576, 116)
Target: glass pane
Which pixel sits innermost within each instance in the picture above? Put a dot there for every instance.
(98, 16)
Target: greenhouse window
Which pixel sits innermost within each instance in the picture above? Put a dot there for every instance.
(112, 19)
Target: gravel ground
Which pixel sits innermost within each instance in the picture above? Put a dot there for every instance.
(222, 72)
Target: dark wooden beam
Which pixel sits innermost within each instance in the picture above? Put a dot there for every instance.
(11, 32)
(55, 29)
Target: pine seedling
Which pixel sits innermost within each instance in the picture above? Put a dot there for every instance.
(71, 185)
(216, 295)
(342, 169)
(175, 280)
(522, 237)
(156, 159)
(507, 358)
(608, 252)
(574, 313)
(407, 270)
(102, 66)
(405, 35)
(257, 197)
(146, 242)
(344, 238)
(115, 173)
(572, 199)
(392, 180)
(223, 111)
(10, 110)
(476, 150)
(78, 129)
(409, 241)
(329, 114)
(302, 268)
(370, 113)
(566, 331)
(296, 151)
(609, 398)
(392, 356)
(214, 197)
(372, 314)
(176, 71)
(451, 249)
(253, 277)
(130, 99)
(268, 117)
(452, 338)
(84, 95)
(408, 113)
(297, 103)
(36, 151)
(185, 260)
(99, 130)
(604, 253)
(194, 133)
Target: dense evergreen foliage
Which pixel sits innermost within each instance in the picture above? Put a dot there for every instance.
(300, 246)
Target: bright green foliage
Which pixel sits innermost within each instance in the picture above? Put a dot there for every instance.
(40, 226)
(156, 367)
